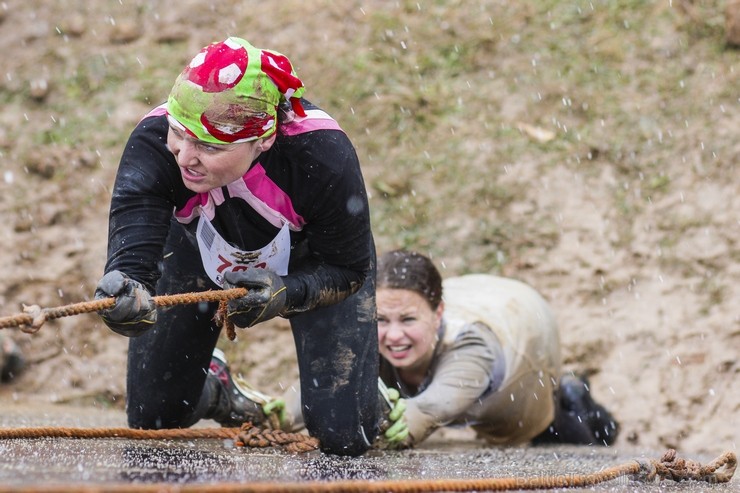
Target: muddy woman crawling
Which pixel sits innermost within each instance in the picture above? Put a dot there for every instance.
(482, 351)
(475, 350)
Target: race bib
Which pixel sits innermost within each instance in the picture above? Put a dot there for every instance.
(219, 257)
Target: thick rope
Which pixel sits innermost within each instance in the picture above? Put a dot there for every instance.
(223, 321)
(245, 436)
(129, 433)
(641, 470)
(677, 469)
(33, 317)
(290, 442)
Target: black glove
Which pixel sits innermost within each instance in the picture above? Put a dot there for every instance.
(134, 312)
(265, 299)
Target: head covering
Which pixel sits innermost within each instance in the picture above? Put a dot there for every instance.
(230, 92)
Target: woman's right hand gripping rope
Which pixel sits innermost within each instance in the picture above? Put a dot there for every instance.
(134, 312)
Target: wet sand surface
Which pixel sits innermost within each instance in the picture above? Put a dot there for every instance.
(114, 464)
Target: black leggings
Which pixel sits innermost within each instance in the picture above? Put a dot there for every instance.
(337, 348)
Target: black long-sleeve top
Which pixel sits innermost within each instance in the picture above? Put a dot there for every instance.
(314, 176)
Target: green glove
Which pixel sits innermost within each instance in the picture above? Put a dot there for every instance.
(275, 412)
(394, 430)
(273, 407)
(399, 430)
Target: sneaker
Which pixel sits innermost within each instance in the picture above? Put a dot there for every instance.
(574, 393)
(237, 404)
(575, 398)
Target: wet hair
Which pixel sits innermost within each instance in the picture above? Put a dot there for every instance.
(403, 269)
(285, 112)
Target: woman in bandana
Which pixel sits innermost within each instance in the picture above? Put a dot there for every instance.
(477, 350)
(237, 181)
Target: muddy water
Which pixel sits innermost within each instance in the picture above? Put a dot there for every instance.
(73, 464)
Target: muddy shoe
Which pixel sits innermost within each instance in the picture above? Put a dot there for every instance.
(575, 397)
(12, 362)
(235, 404)
(574, 394)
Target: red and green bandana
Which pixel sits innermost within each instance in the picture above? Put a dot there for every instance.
(230, 91)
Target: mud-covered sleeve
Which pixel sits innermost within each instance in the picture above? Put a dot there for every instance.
(141, 204)
(463, 374)
(337, 230)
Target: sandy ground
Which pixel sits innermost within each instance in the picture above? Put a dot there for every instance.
(647, 303)
(66, 464)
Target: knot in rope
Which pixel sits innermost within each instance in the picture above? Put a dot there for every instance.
(646, 472)
(677, 469)
(37, 318)
(251, 436)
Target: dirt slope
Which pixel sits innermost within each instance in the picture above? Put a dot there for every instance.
(588, 148)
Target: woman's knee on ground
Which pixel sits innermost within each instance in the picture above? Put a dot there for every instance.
(351, 443)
